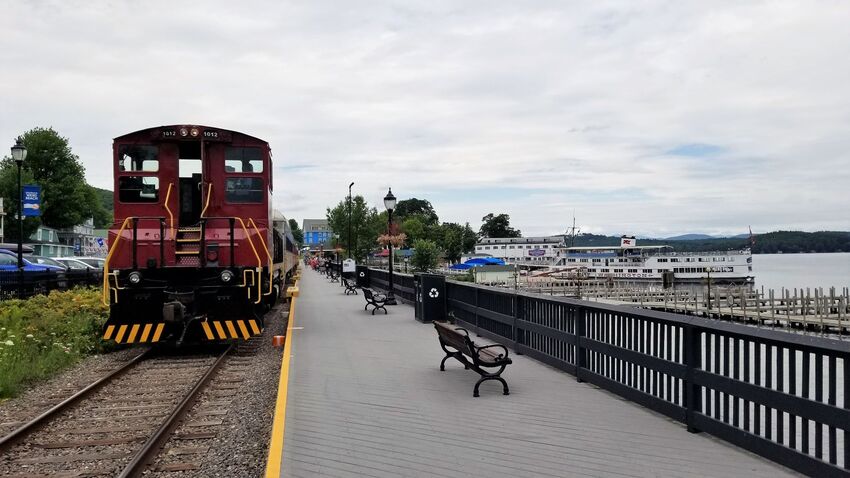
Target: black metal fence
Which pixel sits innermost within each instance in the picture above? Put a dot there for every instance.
(783, 396)
(13, 284)
(403, 287)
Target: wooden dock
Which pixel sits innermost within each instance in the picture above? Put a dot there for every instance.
(803, 309)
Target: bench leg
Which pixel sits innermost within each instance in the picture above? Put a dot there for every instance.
(505, 390)
(443, 363)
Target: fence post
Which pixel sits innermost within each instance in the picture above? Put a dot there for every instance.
(692, 353)
(580, 316)
(518, 302)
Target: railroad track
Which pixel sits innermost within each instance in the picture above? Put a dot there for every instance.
(114, 426)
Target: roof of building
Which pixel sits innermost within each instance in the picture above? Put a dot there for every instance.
(522, 240)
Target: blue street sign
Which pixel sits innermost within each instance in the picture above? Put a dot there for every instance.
(32, 200)
(100, 241)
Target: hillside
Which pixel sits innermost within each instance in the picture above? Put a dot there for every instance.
(107, 200)
(768, 243)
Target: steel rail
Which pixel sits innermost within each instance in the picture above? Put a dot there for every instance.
(34, 424)
(153, 444)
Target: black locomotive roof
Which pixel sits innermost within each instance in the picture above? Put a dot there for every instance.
(153, 129)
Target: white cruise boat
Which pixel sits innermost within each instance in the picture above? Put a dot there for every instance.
(651, 263)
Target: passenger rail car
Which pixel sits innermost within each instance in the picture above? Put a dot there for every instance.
(196, 252)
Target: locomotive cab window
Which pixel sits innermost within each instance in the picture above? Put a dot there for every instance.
(138, 189)
(244, 190)
(138, 158)
(243, 160)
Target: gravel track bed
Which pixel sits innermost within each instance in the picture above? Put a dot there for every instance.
(100, 434)
(43, 395)
(226, 434)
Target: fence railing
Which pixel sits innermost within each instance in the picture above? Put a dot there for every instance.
(13, 284)
(783, 396)
(403, 286)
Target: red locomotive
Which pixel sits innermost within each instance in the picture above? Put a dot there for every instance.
(196, 251)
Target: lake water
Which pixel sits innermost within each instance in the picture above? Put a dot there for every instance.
(774, 271)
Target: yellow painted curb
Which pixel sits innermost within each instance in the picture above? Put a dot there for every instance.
(275, 457)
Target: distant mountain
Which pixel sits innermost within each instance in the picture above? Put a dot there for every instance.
(767, 243)
(689, 237)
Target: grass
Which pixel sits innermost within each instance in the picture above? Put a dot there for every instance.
(43, 335)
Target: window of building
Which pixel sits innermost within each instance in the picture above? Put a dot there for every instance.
(674, 259)
(647, 271)
(618, 270)
(633, 271)
(662, 260)
(243, 160)
(244, 190)
(545, 246)
(605, 270)
(138, 189)
(138, 158)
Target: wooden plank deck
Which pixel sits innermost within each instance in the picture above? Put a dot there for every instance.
(366, 398)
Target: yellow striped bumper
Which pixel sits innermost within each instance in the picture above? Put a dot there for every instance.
(230, 329)
(134, 333)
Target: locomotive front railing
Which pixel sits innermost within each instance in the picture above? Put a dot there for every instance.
(135, 221)
(232, 244)
(168, 209)
(268, 254)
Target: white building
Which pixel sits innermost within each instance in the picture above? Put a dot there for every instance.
(532, 251)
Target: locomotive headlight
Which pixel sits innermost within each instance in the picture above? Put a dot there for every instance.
(134, 278)
(226, 276)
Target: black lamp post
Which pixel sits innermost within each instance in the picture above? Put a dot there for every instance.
(19, 153)
(389, 203)
(348, 245)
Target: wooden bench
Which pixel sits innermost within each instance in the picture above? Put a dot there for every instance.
(456, 343)
(374, 299)
(350, 286)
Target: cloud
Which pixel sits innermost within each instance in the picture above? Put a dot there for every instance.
(652, 118)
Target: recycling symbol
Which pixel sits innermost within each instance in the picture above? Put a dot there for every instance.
(434, 293)
(362, 274)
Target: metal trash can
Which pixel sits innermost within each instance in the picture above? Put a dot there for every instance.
(430, 297)
(363, 276)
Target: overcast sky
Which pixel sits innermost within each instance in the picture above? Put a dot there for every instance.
(652, 118)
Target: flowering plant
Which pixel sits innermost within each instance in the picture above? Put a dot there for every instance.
(397, 240)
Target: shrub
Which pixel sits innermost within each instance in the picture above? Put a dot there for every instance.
(45, 334)
(425, 255)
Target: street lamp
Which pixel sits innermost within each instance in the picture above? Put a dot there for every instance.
(389, 203)
(19, 153)
(348, 245)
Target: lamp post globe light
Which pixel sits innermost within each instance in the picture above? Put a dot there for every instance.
(389, 203)
(19, 154)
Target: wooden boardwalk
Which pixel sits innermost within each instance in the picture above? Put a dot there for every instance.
(366, 398)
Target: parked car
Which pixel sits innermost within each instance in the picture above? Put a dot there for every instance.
(97, 262)
(37, 278)
(74, 263)
(80, 273)
(45, 261)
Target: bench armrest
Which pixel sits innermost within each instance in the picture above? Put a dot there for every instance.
(505, 355)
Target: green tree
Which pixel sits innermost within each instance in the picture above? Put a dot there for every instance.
(498, 226)
(104, 217)
(418, 207)
(297, 233)
(366, 224)
(426, 254)
(452, 241)
(470, 239)
(67, 200)
(414, 228)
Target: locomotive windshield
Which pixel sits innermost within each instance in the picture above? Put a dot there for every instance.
(243, 160)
